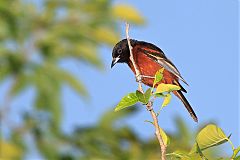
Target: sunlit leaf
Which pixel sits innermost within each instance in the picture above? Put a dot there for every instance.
(127, 101)
(162, 87)
(166, 100)
(235, 152)
(127, 13)
(158, 76)
(179, 155)
(209, 136)
(183, 155)
(199, 151)
(9, 151)
(165, 138)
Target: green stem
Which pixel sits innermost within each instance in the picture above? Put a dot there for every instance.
(233, 148)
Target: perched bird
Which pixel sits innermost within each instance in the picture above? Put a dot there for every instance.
(150, 59)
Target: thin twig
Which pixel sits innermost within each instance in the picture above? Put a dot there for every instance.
(157, 130)
(150, 103)
(138, 74)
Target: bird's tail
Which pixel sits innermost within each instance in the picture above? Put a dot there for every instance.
(186, 104)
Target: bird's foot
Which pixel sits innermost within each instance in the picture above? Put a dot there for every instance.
(140, 77)
(143, 76)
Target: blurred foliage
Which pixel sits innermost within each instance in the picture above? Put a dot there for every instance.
(108, 139)
(35, 36)
(10, 150)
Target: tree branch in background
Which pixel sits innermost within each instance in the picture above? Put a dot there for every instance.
(150, 103)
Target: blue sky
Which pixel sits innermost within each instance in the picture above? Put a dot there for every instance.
(201, 39)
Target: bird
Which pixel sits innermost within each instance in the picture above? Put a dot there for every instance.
(149, 59)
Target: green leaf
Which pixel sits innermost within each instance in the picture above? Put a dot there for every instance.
(235, 152)
(179, 155)
(141, 97)
(166, 100)
(183, 155)
(144, 97)
(158, 76)
(127, 101)
(148, 94)
(9, 150)
(162, 87)
(237, 158)
(159, 95)
(165, 138)
(199, 151)
(209, 136)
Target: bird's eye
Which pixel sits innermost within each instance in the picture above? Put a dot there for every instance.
(119, 51)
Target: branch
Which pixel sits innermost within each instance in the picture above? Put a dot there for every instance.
(157, 130)
(150, 103)
(138, 74)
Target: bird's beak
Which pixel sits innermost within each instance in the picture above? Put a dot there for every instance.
(114, 61)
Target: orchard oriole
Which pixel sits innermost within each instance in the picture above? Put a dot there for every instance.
(150, 59)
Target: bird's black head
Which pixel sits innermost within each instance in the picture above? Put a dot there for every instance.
(120, 53)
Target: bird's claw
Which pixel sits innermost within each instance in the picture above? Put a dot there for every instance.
(139, 78)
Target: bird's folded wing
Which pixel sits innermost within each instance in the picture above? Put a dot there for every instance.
(162, 60)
